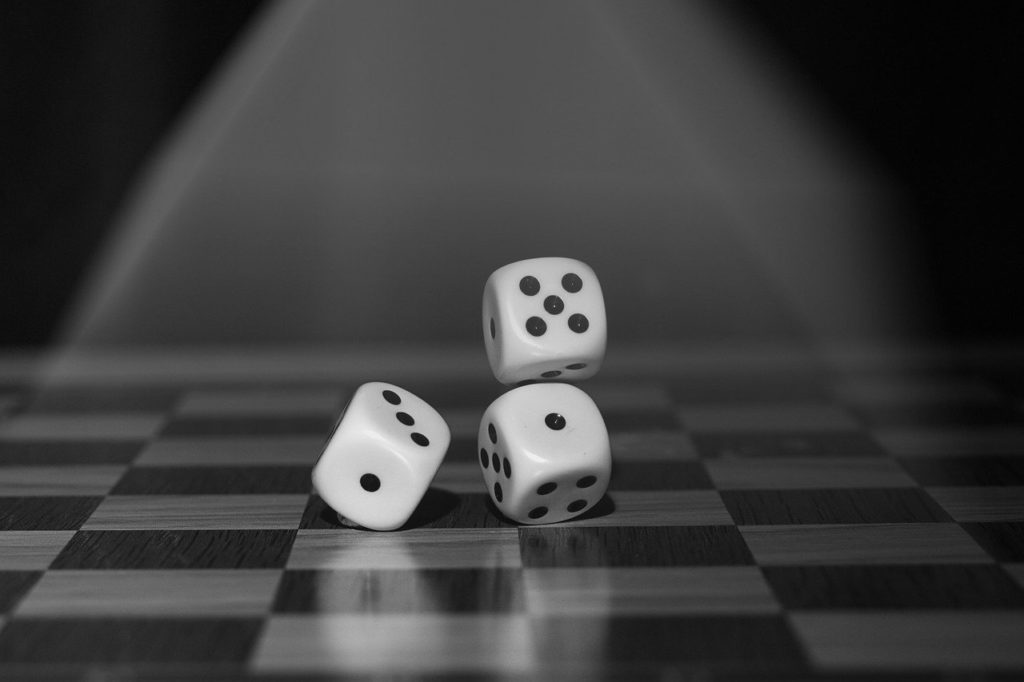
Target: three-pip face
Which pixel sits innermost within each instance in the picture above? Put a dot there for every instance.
(544, 319)
(382, 456)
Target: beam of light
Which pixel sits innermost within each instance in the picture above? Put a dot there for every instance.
(357, 169)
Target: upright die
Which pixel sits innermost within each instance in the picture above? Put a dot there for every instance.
(544, 452)
(544, 318)
(382, 456)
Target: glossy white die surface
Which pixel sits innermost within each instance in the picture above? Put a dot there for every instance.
(544, 452)
(382, 456)
(544, 319)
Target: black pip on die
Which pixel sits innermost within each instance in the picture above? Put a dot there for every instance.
(382, 456)
(544, 319)
(545, 453)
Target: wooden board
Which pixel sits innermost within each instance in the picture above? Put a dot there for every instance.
(762, 522)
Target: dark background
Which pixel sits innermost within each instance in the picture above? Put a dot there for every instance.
(88, 88)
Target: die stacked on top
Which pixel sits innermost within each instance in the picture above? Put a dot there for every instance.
(544, 319)
(544, 448)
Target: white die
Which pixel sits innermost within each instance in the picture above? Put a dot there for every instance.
(382, 456)
(544, 318)
(545, 453)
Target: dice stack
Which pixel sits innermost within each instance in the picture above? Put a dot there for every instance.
(544, 447)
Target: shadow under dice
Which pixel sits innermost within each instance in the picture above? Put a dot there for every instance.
(544, 319)
(382, 456)
(544, 452)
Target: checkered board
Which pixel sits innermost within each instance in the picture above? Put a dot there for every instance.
(764, 519)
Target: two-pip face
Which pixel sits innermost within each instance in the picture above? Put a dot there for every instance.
(544, 319)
